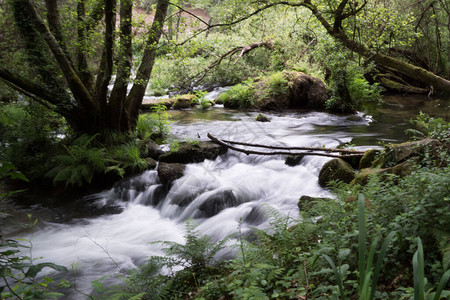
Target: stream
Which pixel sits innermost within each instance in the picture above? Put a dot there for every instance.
(241, 188)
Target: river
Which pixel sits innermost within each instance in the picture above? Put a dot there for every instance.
(135, 213)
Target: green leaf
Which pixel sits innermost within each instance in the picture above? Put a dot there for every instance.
(442, 284)
(419, 272)
(35, 269)
(336, 274)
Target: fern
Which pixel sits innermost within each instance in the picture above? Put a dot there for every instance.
(79, 164)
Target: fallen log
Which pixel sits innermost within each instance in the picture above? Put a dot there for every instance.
(287, 150)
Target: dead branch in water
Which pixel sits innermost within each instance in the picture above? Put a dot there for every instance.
(287, 150)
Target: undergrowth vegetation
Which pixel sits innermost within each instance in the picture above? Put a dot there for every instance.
(388, 239)
(42, 146)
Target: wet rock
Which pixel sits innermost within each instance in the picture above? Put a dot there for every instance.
(368, 158)
(306, 202)
(353, 161)
(336, 169)
(262, 118)
(193, 153)
(169, 172)
(218, 202)
(158, 195)
(354, 118)
(151, 163)
(293, 160)
(255, 216)
(183, 200)
(154, 150)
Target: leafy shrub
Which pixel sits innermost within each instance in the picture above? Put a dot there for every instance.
(434, 128)
(155, 124)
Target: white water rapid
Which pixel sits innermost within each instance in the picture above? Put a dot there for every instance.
(218, 195)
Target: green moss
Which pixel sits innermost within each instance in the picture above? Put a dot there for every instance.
(334, 170)
(368, 158)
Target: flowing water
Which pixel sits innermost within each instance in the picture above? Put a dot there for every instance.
(220, 194)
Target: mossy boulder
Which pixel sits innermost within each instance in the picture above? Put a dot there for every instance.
(184, 101)
(193, 153)
(292, 90)
(368, 158)
(336, 169)
(168, 173)
(149, 104)
(262, 118)
(363, 177)
(277, 91)
(397, 153)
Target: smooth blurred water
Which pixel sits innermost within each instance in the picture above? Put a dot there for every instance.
(233, 190)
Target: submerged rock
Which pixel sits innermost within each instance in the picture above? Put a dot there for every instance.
(293, 160)
(193, 153)
(218, 202)
(336, 169)
(255, 217)
(169, 172)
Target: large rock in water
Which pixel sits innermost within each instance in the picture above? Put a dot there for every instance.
(218, 202)
(306, 91)
(193, 153)
(336, 169)
(302, 91)
(170, 172)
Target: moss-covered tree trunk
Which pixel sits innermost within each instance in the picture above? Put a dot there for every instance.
(335, 30)
(64, 81)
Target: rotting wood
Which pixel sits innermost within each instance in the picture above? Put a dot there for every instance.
(287, 150)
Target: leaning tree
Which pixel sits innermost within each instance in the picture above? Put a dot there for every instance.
(62, 76)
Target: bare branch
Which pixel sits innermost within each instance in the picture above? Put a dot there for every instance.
(287, 151)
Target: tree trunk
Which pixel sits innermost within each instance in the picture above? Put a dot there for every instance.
(404, 68)
(137, 92)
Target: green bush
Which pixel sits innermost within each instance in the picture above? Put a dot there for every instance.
(434, 128)
(153, 125)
